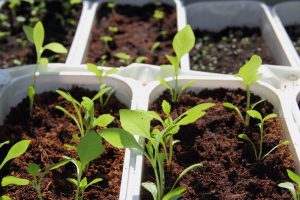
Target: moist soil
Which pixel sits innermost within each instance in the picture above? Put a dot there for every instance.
(294, 33)
(60, 22)
(51, 129)
(137, 31)
(230, 171)
(226, 51)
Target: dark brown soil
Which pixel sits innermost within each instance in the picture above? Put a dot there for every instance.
(230, 171)
(138, 30)
(226, 51)
(51, 130)
(294, 33)
(60, 21)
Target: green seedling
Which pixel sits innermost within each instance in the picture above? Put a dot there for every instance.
(123, 57)
(103, 88)
(38, 176)
(36, 36)
(140, 59)
(158, 14)
(259, 153)
(113, 29)
(15, 151)
(183, 42)
(137, 123)
(89, 148)
(106, 39)
(154, 46)
(112, 7)
(84, 116)
(103, 60)
(249, 73)
(295, 191)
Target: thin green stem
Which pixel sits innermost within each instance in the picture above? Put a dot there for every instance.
(171, 139)
(37, 188)
(261, 129)
(77, 195)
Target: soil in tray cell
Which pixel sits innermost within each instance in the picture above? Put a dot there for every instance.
(133, 31)
(226, 51)
(294, 33)
(51, 129)
(230, 170)
(60, 22)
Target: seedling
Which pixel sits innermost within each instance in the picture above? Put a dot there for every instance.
(140, 59)
(249, 73)
(154, 46)
(138, 123)
(89, 148)
(183, 42)
(37, 174)
(103, 89)
(295, 191)
(123, 57)
(36, 36)
(15, 151)
(259, 153)
(84, 116)
(112, 6)
(113, 29)
(158, 14)
(106, 39)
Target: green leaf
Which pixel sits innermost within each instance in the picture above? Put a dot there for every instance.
(94, 69)
(56, 47)
(174, 194)
(154, 46)
(190, 118)
(93, 182)
(58, 165)
(11, 180)
(87, 103)
(15, 151)
(249, 72)
(3, 143)
(70, 146)
(104, 120)
(44, 61)
(154, 115)
(67, 96)
(111, 71)
(74, 2)
(290, 187)
(167, 70)
(4, 197)
(183, 41)
(244, 137)
(140, 59)
(123, 56)
(229, 105)
(270, 116)
(29, 33)
(294, 177)
(38, 36)
(33, 169)
(174, 61)
(83, 183)
(187, 86)
(72, 180)
(164, 83)
(166, 107)
(198, 108)
(151, 187)
(90, 147)
(119, 138)
(135, 122)
(101, 93)
(254, 114)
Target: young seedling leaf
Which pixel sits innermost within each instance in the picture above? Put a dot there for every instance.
(174, 62)
(15, 151)
(4, 197)
(12, 180)
(166, 107)
(72, 180)
(119, 138)
(83, 183)
(140, 59)
(290, 187)
(90, 147)
(58, 165)
(294, 177)
(270, 116)
(101, 93)
(190, 118)
(56, 47)
(93, 182)
(151, 187)
(183, 41)
(29, 33)
(3, 143)
(164, 83)
(104, 120)
(38, 36)
(249, 72)
(167, 70)
(254, 114)
(87, 103)
(187, 86)
(33, 169)
(198, 108)
(135, 122)
(67, 96)
(44, 61)
(111, 71)
(174, 194)
(94, 69)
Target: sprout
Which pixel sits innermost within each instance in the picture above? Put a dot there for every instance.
(295, 191)
(158, 14)
(123, 57)
(154, 46)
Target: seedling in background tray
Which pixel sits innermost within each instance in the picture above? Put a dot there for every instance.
(158, 14)
(105, 92)
(15, 151)
(112, 6)
(295, 191)
(183, 42)
(249, 73)
(126, 58)
(113, 29)
(38, 177)
(154, 46)
(138, 123)
(106, 40)
(84, 116)
(259, 154)
(36, 36)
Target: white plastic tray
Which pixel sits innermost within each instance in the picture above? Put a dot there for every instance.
(215, 16)
(16, 81)
(154, 89)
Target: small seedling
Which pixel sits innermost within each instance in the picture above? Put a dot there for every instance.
(103, 88)
(85, 117)
(154, 46)
(183, 42)
(113, 29)
(140, 59)
(112, 6)
(88, 149)
(158, 14)
(106, 39)
(37, 174)
(249, 73)
(259, 154)
(123, 57)
(36, 36)
(295, 191)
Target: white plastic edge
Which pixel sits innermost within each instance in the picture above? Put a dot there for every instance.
(154, 89)
(62, 75)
